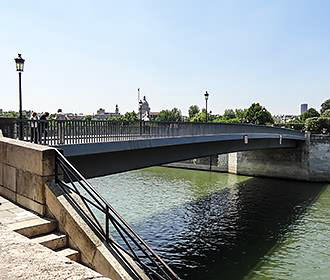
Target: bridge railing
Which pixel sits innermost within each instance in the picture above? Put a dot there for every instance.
(117, 235)
(57, 132)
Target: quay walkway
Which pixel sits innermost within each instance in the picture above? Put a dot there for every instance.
(24, 258)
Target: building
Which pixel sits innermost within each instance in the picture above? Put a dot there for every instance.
(303, 108)
(101, 114)
(72, 116)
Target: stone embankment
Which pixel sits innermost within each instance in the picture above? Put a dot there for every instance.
(310, 161)
(23, 257)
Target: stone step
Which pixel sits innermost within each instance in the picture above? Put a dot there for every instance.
(34, 227)
(69, 253)
(52, 241)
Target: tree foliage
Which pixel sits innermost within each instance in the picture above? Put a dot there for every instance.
(200, 117)
(311, 113)
(129, 117)
(240, 114)
(317, 125)
(325, 106)
(258, 114)
(326, 114)
(173, 115)
(193, 110)
(229, 114)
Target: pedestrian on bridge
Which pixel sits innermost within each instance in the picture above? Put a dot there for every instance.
(34, 127)
(61, 126)
(43, 127)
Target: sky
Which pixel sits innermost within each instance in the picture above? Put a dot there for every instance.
(83, 55)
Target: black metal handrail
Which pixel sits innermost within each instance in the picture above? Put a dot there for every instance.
(106, 223)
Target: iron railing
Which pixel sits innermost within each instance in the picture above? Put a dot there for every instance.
(108, 225)
(57, 133)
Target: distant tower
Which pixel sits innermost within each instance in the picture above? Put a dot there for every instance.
(303, 108)
(117, 110)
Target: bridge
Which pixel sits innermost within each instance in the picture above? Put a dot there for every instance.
(98, 148)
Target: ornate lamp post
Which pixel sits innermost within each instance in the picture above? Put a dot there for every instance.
(20, 68)
(140, 111)
(206, 98)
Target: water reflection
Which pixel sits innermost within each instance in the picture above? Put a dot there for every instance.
(208, 225)
(224, 235)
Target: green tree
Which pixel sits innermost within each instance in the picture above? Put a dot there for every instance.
(173, 115)
(240, 113)
(325, 106)
(130, 117)
(326, 114)
(310, 113)
(229, 114)
(258, 114)
(193, 110)
(200, 117)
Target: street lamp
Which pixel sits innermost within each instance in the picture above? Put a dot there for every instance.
(206, 98)
(20, 67)
(140, 111)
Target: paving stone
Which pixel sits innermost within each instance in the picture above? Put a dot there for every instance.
(21, 258)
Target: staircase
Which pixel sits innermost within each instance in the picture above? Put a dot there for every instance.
(45, 232)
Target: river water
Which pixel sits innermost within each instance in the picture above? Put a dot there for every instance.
(208, 225)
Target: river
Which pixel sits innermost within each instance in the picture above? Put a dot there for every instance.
(214, 226)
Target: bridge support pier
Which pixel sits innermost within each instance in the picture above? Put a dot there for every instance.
(310, 161)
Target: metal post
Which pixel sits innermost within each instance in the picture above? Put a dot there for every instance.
(206, 110)
(107, 223)
(140, 119)
(20, 106)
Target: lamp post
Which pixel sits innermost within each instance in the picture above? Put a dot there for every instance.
(206, 98)
(20, 67)
(140, 111)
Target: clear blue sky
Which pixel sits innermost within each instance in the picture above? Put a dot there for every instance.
(82, 55)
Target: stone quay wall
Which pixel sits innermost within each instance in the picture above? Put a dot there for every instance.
(25, 168)
(310, 161)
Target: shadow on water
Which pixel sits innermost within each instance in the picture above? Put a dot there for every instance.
(225, 234)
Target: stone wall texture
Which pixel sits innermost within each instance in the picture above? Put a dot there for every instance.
(25, 169)
(310, 161)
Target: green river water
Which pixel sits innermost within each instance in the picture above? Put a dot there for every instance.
(210, 225)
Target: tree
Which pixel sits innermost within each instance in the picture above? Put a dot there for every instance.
(229, 114)
(310, 113)
(200, 117)
(193, 110)
(240, 113)
(258, 114)
(326, 114)
(325, 106)
(173, 115)
(130, 117)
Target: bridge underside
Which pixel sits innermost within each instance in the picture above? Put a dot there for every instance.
(100, 159)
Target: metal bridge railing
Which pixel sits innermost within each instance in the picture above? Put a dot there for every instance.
(57, 133)
(108, 225)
